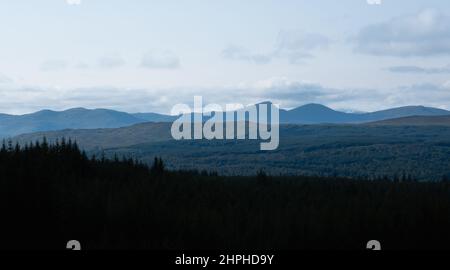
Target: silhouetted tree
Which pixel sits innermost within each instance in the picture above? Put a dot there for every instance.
(52, 193)
(158, 166)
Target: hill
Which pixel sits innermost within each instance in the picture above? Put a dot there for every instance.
(154, 117)
(316, 114)
(416, 121)
(404, 112)
(80, 118)
(326, 150)
(319, 114)
(77, 118)
(104, 138)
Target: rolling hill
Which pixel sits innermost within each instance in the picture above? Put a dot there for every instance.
(80, 118)
(443, 120)
(355, 150)
(77, 118)
(316, 114)
(319, 114)
(103, 138)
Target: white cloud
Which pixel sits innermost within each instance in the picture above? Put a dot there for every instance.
(287, 93)
(426, 33)
(5, 79)
(294, 46)
(158, 60)
(298, 45)
(234, 52)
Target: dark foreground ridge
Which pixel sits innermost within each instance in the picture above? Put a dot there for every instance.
(50, 194)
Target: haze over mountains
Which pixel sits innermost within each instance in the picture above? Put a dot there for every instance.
(80, 118)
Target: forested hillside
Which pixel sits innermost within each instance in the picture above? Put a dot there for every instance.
(50, 194)
(368, 151)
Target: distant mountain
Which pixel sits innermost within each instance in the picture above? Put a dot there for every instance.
(154, 117)
(443, 120)
(80, 118)
(319, 114)
(316, 114)
(404, 112)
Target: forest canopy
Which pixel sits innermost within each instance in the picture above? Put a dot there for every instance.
(50, 194)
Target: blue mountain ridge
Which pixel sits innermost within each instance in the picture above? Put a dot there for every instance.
(81, 118)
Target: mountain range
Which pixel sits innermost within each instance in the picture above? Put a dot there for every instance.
(80, 118)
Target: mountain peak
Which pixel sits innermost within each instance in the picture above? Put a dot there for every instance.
(313, 107)
(78, 109)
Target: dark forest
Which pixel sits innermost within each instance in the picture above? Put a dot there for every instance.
(50, 194)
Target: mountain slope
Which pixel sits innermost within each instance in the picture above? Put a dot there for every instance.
(106, 137)
(443, 120)
(77, 118)
(404, 112)
(315, 114)
(319, 114)
(154, 117)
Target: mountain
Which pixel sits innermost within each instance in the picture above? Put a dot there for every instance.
(315, 114)
(154, 117)
(77, 118)
(404, 112)
(319, 114)
(80, 118)
(443, 120)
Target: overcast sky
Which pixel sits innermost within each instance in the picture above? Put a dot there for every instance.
(136, 55)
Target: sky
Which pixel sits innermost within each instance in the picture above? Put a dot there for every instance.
(147, 56)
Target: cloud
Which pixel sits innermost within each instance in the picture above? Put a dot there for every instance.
(24, 99)
(54, 65)
(297, 45)
(426, 33)
(420, 70)
(429, 94)
(73, 2)
(287, 93)
(291, 94)
(160, 60)
(111, 61)
(5, 79)
(234, 52)
(293, 46)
